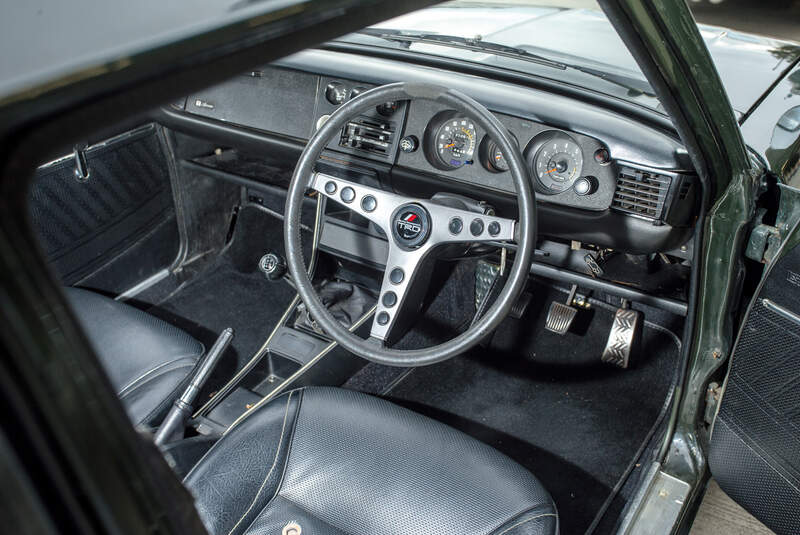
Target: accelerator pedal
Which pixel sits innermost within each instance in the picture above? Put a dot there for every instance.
(561, 315)
(624, 336)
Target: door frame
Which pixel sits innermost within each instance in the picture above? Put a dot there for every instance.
(663, 37)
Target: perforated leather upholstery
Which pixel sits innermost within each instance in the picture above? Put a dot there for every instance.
(341, 462)
(147, 360)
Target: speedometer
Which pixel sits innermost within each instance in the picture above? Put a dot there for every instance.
(557, 163)
(455, 142)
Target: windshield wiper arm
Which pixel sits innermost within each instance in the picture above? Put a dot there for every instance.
(475, 44)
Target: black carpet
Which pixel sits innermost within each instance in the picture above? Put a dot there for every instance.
(232, 292)
(577, 426)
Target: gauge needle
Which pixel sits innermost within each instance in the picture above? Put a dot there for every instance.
(551, 170)
(448, 146)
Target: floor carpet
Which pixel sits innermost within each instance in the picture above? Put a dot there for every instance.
(232, 292)
(577, 425)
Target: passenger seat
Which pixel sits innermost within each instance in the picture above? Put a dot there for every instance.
(147, 360)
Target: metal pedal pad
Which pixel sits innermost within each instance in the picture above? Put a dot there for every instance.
(561, 315)
(485, 275)
(624, 336)
(519, 308)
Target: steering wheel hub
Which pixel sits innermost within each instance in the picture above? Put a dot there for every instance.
(411, 226)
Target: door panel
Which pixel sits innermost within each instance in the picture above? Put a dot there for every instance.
(117, 227)
(755, 442)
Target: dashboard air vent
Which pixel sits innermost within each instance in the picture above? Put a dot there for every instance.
(641, 192)
(368, 134)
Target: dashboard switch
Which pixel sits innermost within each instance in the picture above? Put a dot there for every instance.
(494, 228)
(336, 93)
(409, 144)
(585, 185)
(387, 108)
(602, 156)
(330, 187)
(476, 227)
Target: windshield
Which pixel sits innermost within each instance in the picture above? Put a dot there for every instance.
(569, 41)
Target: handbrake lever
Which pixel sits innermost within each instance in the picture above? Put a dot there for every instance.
(178, 415)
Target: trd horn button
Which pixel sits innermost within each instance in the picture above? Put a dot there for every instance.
(411, 226)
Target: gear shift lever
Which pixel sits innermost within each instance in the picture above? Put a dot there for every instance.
(273, 265)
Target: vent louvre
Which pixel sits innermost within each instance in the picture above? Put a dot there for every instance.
(369, 135)
(641, 192)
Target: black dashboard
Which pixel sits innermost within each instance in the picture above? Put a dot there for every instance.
(599, 176)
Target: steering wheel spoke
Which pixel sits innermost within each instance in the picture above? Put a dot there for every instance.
(371, 203)
(405, 281)
(453, 225)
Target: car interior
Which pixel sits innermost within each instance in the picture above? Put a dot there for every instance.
(288, 246)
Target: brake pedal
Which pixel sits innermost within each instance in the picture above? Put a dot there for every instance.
(624, 336)
(561, 315)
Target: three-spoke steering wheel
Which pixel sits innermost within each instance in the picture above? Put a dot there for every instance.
(414, 227)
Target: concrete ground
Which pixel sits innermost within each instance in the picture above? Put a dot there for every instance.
(719, 515)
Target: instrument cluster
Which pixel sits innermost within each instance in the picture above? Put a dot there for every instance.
(554, 157)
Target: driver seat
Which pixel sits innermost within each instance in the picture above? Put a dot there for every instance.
(329, 461)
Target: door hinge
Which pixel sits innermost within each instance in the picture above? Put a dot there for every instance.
(765, 239)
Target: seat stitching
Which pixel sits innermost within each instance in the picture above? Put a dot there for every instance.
(525, 521)
(274, 463)
(153, 377)
(213, 448)
(288, 453)
(131, 385)
(169, 400)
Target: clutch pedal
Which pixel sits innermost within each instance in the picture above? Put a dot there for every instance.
(561, 315)
(624, 336)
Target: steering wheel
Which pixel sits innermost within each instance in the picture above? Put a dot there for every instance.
(414, 227)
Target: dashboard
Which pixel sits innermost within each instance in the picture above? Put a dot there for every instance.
(599, 176)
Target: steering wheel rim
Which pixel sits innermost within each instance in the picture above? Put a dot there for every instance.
(304, 176)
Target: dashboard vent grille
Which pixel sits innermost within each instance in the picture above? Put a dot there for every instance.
(368, 134)
(641, 192)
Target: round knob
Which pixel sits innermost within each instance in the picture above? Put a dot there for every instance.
(409, 144)
(273, 266)
(357, 91)
(336, 93)
(585, 185)
(387, 108)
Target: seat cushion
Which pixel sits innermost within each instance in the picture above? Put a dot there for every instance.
(146, 359)
(340, 462)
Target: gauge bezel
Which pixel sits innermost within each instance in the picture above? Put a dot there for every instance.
(533, 150)
(430, 140)
(486, 151)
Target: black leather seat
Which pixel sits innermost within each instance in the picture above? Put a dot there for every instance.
(147, 360)
(333, 461)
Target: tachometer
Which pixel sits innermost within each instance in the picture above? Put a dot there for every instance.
(455, 142)
(557, 162)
